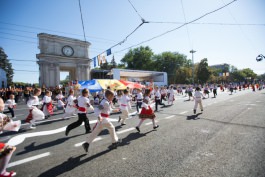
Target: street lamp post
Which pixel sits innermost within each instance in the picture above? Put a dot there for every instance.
(192, 52)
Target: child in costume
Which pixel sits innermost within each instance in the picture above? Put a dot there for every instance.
(60, 103)
(47, 104)
(124, 107)
(146, 112)
(139, 99)
(70, 106)
(34, 112)
(103, 114)
(83, 104)
(6, 150)
(11, 104)
(198, 99)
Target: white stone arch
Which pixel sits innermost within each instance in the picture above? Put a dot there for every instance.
(52, 59)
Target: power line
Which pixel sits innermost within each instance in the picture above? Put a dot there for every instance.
(212, 23)
(192, 21)
(18, 40)
(245, 35)
(136, 10)
(82, 20)
(187, 29)
(45, 29)
(25, 70)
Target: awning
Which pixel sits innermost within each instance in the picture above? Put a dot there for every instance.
(132, 84)
(112, 83)
(91, 85)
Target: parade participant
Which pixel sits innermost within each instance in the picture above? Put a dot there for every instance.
(6, 151)
(103, 114)
(157, 98)
(215, 90)
(60, 103)
(190, 90)
(171, 97)
(70, 106)
(11, 104)
(124, 107)
(47, 104)
(198, 99)
(231, 88)
(206, 91)
(163, 94)
(83, 104)
(146, 112)
(139, 100)
(34, 112)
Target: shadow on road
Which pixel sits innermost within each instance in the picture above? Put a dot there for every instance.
(32, 146)
(74, 162)
(194, 117)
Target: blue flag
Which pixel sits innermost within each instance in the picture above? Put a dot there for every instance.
(108, 52)
(95, 63)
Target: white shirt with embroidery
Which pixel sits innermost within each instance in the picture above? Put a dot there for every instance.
(83, 102)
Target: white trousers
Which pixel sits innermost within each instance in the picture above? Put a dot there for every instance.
(198, 101)
(105, 123)
(124, 115)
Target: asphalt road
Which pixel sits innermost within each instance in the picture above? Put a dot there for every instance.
(226, 140)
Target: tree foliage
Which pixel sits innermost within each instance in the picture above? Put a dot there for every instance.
(6, 66)
(203, 72)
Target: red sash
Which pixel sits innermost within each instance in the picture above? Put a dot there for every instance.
(82, 109)
(104, 115)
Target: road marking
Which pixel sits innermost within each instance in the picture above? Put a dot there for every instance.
(19, 162)
(96, 139)
(149, 123)
(169, 117)
(20, 138)
(126, 130)
(184, 112)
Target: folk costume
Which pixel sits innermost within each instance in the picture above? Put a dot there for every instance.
(70, 107)
(146, 113)
(60, 103)
(11, 105)
(34, 112)
(198, 100)
(47, 106)
(139, 101)
(124, 107)
(103, 113)
(158, 99)
(171, 97)
(83, 105)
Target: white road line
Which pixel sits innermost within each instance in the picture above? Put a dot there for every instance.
(20, 138)
(149, 123)
(126, 130)
(96, 139)
(184, 112)
(19, 162)
(169, 117)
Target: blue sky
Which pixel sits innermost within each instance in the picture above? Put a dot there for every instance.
(108, 22)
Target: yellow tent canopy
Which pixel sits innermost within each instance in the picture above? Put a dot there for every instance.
(112, 83)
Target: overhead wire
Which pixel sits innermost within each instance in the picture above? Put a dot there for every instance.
(240, 28)
(169, 31)
(83, 26)
(187, 29)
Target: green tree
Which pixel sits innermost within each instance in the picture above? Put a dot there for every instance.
(170, 62)
(203, 72)
(138, 58)
(6, 66)
(113, 63)
(249, 73)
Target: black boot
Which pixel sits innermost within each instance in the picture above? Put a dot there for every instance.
(85, 146)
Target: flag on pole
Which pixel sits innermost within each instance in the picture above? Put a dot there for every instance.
(108, 52)
(94, 60)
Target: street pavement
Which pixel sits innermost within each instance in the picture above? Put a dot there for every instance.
(226, 140)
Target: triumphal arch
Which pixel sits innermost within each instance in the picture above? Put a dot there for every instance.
(59, 53)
